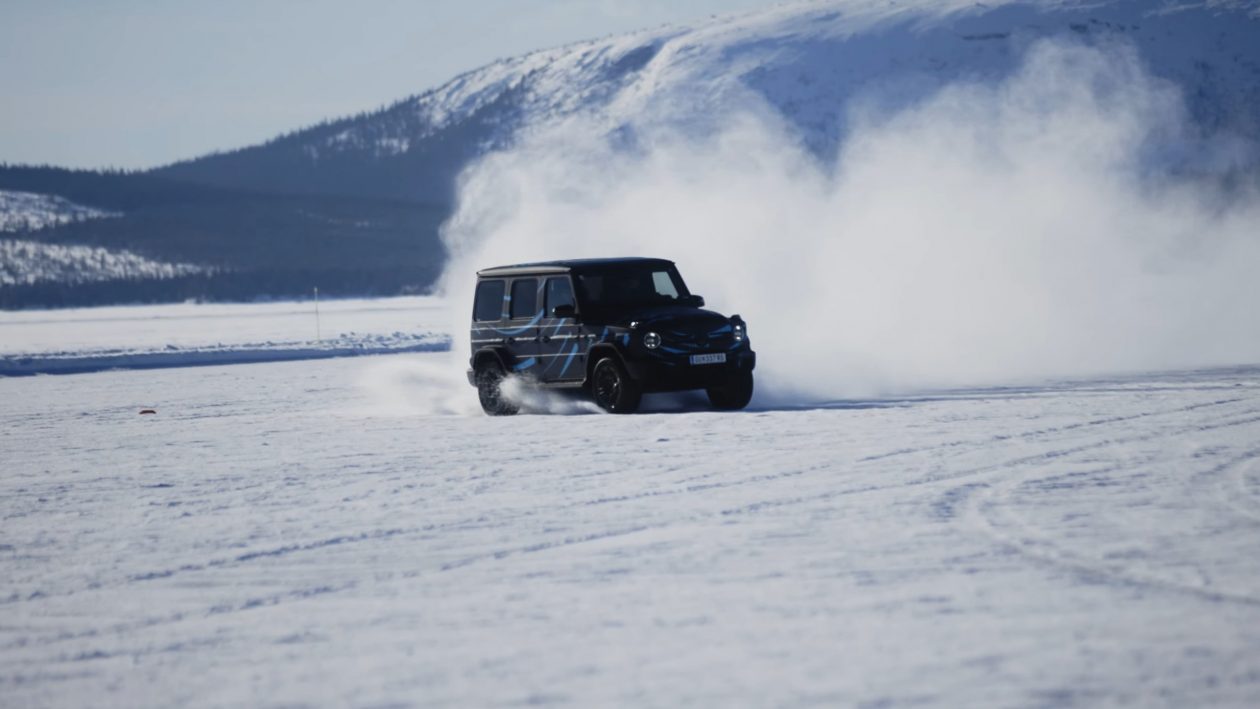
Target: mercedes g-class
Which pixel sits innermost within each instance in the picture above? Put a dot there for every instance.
(615, 327)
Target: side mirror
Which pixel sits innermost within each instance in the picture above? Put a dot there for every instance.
(693, 301)
(564, 311)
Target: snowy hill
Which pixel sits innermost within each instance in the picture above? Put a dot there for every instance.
(806, 61)
(812, 66)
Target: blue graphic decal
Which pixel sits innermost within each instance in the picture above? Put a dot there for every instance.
(523, 328)
(524, 365)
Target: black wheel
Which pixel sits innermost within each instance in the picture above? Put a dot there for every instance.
(734, 394)
(613, 389)
(490, 377)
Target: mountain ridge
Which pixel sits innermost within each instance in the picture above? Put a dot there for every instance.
(811, 64)
(604, 63)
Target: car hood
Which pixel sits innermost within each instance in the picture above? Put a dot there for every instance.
(671, 317)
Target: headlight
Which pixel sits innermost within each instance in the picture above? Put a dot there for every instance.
(738, 331)
(651, 340)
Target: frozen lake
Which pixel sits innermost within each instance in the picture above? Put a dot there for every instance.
(76, 340)
(274, 535)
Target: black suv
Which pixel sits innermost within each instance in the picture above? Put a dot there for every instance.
(616, 327)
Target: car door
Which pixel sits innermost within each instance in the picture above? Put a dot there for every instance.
(488, 312)
(560, 342)
(521, 333)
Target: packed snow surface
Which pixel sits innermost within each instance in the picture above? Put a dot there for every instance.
(274, 536)
(89, 339)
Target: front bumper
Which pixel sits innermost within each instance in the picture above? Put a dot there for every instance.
(665, 372)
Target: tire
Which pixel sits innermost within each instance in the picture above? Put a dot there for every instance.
(612, 388)
(734, 394)
(490, 378)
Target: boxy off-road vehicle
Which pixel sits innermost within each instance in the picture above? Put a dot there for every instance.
(616, 327)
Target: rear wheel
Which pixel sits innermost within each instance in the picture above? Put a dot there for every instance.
(490, 377)
(734, 394)
(613, 389)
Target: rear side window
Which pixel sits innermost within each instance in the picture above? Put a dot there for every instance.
(559, 292)
(489, 303)
(524, 297)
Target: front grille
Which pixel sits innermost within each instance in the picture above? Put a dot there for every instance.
(688, 341)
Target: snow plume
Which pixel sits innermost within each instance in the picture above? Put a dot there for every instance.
(437, 384)
(994, 232)
(403, 386)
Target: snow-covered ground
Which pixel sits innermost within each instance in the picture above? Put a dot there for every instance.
(89, 339)
(276, 535)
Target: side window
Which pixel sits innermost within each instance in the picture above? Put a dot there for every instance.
(524, 297)
(559, 292)
(489, 303)
(664, 284)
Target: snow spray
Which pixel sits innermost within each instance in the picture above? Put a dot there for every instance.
(993, 232)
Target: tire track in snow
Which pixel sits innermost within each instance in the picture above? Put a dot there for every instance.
(237, 560)
(989, 509)
(567, 541)
(1013, 463)
(755, 479)
(1002, 438)
(221, 563)
(775, 455)
(772, 457)
(219, 609)
(1245, 487)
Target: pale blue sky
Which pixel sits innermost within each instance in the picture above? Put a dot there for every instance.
(138, 83)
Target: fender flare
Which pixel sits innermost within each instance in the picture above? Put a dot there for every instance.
(495, 353)
(600, 351)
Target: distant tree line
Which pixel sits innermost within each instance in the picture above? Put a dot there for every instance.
(222, 287)
(259, 244)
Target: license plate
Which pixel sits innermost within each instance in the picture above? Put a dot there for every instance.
(718, 358)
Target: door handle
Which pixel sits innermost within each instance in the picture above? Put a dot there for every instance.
(546, 338)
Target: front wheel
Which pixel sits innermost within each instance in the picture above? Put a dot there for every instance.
(490, 376)
(613, 389)
(734, 394)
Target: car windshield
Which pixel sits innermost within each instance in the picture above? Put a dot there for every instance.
(631, 286)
